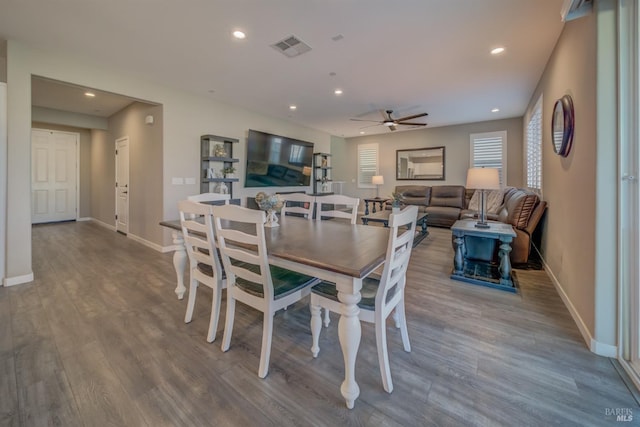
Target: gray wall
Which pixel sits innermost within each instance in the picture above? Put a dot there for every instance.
(569, 184)
(455, 139)
(103, 172)
(84, 192)
(145, 168)
(186, 116)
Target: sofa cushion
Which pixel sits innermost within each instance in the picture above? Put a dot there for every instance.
(518, 206)
(442, 216)
(414, 194)
(493, 201)
(448, 196)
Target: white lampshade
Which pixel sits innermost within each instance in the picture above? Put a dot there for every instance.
(377, 180)
(483, 178)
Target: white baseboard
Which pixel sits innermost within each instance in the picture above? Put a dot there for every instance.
(86, 218)
(103, 224)
(601, 349)
(145, 242)
(18, 280)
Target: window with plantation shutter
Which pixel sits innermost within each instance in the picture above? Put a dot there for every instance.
(489, 150)
(367, 164)
(534, 148)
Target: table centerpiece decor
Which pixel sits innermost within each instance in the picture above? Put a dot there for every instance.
(271, 203)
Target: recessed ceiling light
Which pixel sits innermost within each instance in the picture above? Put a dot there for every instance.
(495, 110)
(239, 34)
(292, 107)
(362, 132)
(90, 94)
(338, 91)
(497, 51)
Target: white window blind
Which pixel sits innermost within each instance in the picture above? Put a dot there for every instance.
(489, 150)
(534, 148)
(367, 164)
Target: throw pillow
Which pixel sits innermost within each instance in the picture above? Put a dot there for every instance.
(492, 201)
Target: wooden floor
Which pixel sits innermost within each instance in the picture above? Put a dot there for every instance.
(99, 339)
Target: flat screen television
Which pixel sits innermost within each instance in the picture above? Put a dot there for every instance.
(277, 161)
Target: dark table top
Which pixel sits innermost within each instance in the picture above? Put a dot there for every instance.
(332, 245)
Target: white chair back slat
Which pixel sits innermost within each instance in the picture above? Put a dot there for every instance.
(210, 197)
(343, 207)
(307, 201)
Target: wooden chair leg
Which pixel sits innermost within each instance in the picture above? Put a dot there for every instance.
(265, 353)
(228, 323)
(191, 302)
(215, 314)
(383, 356)
(403, 326)
(316, 327)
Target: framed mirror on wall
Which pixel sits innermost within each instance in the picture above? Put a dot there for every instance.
(420, 164)
(562, 124)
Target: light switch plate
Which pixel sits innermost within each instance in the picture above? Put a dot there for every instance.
(177, 181)
(189, 181)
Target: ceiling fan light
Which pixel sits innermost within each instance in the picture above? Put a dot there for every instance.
(388, 123)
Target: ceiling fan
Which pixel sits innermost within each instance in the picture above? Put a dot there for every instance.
(391, 123)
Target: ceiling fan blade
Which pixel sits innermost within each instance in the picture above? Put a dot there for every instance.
(370, 126)
(363, 120)
(415, 116)
(411, 123)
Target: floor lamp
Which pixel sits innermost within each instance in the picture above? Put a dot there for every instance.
(483, 179)
(377, 180)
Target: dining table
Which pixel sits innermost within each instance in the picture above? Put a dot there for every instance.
(331, 250)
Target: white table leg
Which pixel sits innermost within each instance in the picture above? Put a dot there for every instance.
(179, 262)
(349, 332)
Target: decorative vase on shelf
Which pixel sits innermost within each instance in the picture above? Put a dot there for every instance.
(223, 189)
(272, 219)
(325, 187)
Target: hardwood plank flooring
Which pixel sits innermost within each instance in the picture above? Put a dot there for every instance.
(99, 339)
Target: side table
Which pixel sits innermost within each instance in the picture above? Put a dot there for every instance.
(378, 200)
(473, 257)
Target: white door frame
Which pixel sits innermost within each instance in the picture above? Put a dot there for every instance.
(77, 135)
(124, 138)
(628, 189)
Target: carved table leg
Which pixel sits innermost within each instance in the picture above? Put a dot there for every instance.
(349, 333)
(458, 257)
(505, 263)
(366, 207)
(179, 262)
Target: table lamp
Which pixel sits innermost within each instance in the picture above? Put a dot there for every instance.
(377, 180)
(483, 179)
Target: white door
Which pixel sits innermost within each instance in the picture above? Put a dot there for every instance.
(53, 175)
(122, 185)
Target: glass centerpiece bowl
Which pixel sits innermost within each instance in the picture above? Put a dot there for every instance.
(271, 203)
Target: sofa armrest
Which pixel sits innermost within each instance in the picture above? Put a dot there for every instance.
(535, 217)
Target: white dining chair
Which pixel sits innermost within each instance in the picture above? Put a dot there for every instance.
(337, 206)
(380, 296)
(210, 197)
(250, 278)
(196, 220)
(298, 203)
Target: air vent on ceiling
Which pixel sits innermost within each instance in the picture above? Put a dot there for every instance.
(291, 46)
(573, 9)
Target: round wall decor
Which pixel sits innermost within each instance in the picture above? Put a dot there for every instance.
(562, 126)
